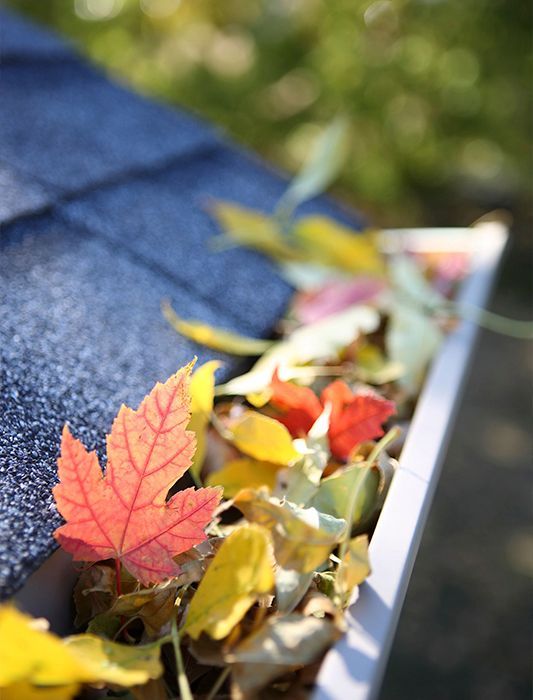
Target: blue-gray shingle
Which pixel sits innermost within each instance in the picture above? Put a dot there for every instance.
(21, 40)
(19, 194)
(164, 219)
(68, 127)
(80, 332)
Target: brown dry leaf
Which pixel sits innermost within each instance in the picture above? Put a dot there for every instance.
(153, 690)
(303, 537)
(94, 593)
(317, 604)
(280, 645)
(354, 566)
(154, 606)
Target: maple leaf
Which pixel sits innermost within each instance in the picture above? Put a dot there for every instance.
(354, 417)
(125, 515)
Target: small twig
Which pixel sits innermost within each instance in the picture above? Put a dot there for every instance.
(379, 447)
(385, 441)
(221, 429)
(124, 626)
(218, 683)
(183, 683)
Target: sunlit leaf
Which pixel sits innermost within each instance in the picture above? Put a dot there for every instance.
(202, 390)
(34, 657)
(291, 586)
(263, 438)
(354, 566)
(280, 645)
(253, 229)
(125, 515)
(336, 245)
(412, 340)
(335, 296)
(241, 473)
(333, 493)
(241, 571)
(355, 417)
(215, 338)
(324, 339)
(115, 663)
(412, 337)
(303, 478)
(303, 537)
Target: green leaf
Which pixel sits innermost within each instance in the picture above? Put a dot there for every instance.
(291, 586)
(301, 481)
(303, 537)
(320, 169)
(333, 494)
(412, 337)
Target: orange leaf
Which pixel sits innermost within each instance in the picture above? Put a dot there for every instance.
(124, 515)
(300, 404)
(354, 417)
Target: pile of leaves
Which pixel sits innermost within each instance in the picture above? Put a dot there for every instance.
(236, 587)
(231, 527)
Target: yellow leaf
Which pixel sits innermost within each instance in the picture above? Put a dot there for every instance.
(253, 229)
(202, 388)
(303, 537)
(263, 438)
(26, 691)
(241, 571)
(214, 338)
(115, 663)
(354, 567)
(260, 398)
(32, 657)
(240, 473)
(374, 368)
(331, 243)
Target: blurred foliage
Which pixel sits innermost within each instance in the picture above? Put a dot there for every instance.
(437, 91)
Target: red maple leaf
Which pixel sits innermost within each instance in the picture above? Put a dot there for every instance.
(125, 515)
(354, 417)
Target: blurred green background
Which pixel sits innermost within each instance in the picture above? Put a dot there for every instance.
(439, 97)
(438, 92)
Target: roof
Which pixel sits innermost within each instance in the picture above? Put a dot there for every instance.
(102, 208)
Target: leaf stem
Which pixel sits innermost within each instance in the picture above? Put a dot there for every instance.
(513, 328)
(393, 434)
(117, 577)
(218, 683)
(183, 683)
(385, 441)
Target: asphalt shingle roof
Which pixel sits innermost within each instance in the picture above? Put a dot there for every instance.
(102, 208)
